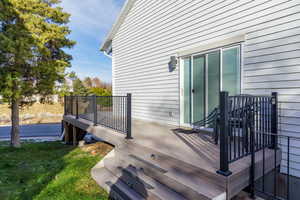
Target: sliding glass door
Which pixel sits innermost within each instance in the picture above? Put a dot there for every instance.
(213, 80)
(198, 88)
(231, 71)
(194, 89)
(186, 88)
(203, 77)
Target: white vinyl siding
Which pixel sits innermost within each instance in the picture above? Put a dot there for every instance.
(154, 30)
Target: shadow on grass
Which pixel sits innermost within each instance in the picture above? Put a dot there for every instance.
(25, 172)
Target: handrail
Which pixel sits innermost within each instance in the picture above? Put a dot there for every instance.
(206, 121)
(110, 111)
(240, 121)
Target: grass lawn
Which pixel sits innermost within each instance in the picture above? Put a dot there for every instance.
(50, 170)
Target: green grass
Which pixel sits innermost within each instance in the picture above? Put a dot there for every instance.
(48, 170)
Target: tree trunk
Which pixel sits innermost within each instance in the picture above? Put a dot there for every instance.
(15, 120)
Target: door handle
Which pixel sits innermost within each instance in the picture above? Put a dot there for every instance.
(193, 90)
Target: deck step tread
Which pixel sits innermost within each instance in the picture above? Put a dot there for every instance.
(154, 189)
(148, 163)
(135, 176)
(199, 185)
(117, 188)
(169, 164)
(190, 185)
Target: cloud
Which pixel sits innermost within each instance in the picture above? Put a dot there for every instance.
(92, 17)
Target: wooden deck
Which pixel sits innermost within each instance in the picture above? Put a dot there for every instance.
(182, 154)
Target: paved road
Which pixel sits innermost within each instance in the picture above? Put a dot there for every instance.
(33, 130)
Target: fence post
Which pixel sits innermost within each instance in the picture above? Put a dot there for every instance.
(95, 109)
(77, 116)
(224, 128)
(274, 120)
(128, 136)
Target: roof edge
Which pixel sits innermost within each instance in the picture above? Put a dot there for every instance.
(124, 12)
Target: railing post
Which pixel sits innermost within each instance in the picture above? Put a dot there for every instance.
(128, 131)
(252, 150)
(274, 120)
(224, 128)
(77, 115)
(72, 105)
(65, 105)
(95, 109)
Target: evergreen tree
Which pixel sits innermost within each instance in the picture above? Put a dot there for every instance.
(33, 36)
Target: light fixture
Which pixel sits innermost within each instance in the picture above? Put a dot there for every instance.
(172, 64)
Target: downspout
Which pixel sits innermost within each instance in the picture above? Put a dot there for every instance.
(108, 50)
(106, 54)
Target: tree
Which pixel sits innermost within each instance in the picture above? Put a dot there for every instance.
(63, 89)
(99, 91)
(72, 75)
(88, 82)
(97, 82)
(33, 36)
(79, 88)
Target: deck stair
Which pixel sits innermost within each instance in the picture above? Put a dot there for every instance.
(137, 172)
(167, 162)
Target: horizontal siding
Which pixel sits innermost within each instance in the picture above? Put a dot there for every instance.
(155, 30)
(195, 31)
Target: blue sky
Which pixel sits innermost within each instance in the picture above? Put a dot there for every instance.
(91, 20)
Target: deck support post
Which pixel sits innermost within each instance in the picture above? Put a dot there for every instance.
(128, 131)
(67, 133)
(74, 136)
(224, 128)
(274, 120)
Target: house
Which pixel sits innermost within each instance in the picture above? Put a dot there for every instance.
(175, 57)
(263, 41)
(248, 47)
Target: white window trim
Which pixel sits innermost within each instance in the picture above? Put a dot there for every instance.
(236, 40)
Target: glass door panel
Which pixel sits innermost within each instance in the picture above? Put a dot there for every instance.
(198, 88)
(213, 80)
(231, 71)
(186, 90)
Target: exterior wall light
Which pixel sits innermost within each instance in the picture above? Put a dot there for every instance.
(172, 64)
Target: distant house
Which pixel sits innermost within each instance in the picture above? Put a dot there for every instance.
(175, 57)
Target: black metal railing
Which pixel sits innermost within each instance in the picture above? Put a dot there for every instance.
(275, 178)
(211, 121)
(241, 118)
(110, 111)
